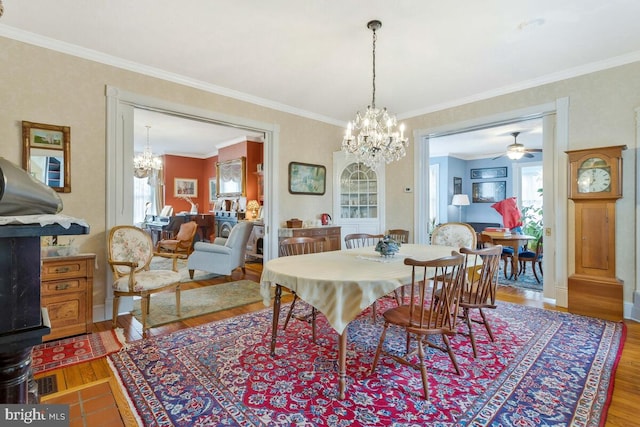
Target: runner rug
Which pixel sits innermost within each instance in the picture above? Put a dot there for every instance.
(70, 351)
(545, 368)
(198, 301)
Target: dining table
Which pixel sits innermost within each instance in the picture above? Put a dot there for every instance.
(341, 285)
(515, 241)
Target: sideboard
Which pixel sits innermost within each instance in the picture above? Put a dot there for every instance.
(331, 234)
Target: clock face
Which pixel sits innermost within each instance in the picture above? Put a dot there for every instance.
(594, 180)
(595, 174)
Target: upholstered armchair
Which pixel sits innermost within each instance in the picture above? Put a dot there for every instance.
(454, 234)
(181, 243)
(129, 252)
(223, 255)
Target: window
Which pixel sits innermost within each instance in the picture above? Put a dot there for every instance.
(142, 199)
(531, 185)
(434, 195)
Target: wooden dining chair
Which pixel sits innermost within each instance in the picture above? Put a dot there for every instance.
(361, 240)
(534, 257)
(293, 246)
(479, 290)
(399, 235)
(426, 314)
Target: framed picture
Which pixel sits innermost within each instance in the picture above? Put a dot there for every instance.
(305, 178)
(45, 154)
(212, 189)
(488, 191)
(489, 173)
(457, 185)
(185, 187)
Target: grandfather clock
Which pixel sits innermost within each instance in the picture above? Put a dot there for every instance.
(595, 184)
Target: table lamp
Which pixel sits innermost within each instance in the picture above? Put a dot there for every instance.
(460, 200)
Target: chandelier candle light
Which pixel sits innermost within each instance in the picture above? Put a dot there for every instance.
(377, 139)
(144, 163)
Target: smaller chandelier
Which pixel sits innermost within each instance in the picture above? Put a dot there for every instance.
(146, 162)
(377, 139)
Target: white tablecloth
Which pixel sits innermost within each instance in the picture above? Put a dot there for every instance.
(341, 284)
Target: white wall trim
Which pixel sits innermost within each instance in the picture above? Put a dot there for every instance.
(555, 142)
(119, 152)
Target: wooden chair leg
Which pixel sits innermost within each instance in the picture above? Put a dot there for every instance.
(486, 325)
(144, 308)
(376, 358)
(540, 268)
(116, 304)
(313, 324)
(290, 313)
(423, 370)
(452, 356)
(178, 300)
(472, 337)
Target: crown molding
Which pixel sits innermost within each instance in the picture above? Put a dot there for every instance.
(528, 84)
(93, 55)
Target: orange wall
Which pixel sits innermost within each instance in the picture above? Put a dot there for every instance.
(189, 168)
(253, 151)
(205, 169)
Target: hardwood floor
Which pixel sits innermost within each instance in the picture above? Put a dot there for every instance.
(622, 412)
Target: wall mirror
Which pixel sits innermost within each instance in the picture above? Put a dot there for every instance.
(230, 176)
(46, 154)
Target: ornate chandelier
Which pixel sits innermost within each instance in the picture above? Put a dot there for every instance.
(377, 139)
(146, 162)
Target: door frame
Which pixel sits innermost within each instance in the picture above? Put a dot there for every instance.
(120, 152)
(555, 117)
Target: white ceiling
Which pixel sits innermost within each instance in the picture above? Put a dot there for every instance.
(313, 57)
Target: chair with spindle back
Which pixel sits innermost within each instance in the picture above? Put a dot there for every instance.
(426, 314)
(294, 246)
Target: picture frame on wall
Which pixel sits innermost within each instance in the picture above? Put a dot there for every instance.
(306, 178)
(488, 191)
(457, 185)
(489, 173)
(46, 154)
(185, 187)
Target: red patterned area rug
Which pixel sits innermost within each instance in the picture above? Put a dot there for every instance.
(70, 351)
(544, 369)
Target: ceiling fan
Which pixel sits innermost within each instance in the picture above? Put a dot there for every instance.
(516, 151)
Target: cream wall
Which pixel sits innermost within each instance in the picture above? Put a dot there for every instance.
(45, 86)
(601, 113)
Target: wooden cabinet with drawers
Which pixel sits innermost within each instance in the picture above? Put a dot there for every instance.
(330, 233)
(67, 294)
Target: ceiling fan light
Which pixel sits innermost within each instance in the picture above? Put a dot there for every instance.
(515, 155)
